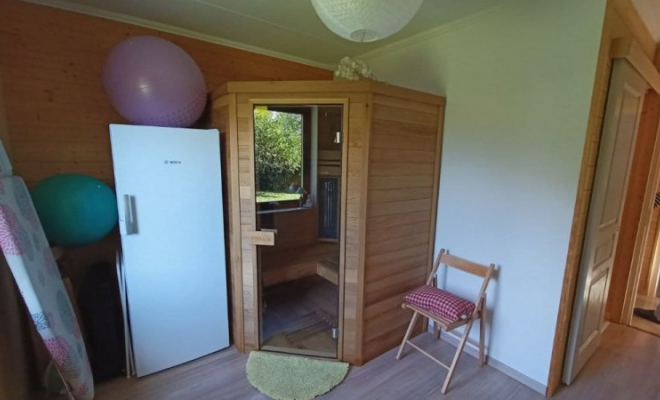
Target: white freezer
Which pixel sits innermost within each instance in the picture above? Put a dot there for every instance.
(169, 194)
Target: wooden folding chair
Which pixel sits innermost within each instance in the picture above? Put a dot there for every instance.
(448, 311)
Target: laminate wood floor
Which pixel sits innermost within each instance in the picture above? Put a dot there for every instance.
(624, 368)
(648, 303)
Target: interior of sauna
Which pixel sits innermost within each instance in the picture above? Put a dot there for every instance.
(298, 166)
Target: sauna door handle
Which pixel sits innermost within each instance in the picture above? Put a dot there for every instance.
(262, 238)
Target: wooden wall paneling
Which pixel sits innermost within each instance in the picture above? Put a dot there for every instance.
(4, 127)
(434, 210)
(382, 237)
(56, 105)
(436, 190)
(621, 21)
(17, 377)
(399, 96)
(404, 158)
(255, 320)
(318, 87)
(244, 113)
(295, 230)
(224, 118)
(57, 109)
(356, 175)
(343, 228)
(327, 119)
(398, 194)
(367, 137)
(405, 116)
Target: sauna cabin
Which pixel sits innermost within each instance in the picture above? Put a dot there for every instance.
(331, 191)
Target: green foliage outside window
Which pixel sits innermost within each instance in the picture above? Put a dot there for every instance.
(278, 155)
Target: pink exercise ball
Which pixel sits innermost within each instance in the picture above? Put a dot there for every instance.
(151, 81)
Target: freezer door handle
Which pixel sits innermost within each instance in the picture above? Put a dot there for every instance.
(128, 225)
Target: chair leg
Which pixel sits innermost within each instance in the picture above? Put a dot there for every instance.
(459, 350)
(482, 333)
(436, 330)
(413, 320)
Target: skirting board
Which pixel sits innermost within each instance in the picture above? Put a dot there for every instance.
(473, 351)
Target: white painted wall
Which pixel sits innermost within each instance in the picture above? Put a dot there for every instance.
(518, 83)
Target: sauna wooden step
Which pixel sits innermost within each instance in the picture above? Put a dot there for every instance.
(328, 268)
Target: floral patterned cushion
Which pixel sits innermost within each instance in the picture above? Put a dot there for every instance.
(439, 302)
(31, 261)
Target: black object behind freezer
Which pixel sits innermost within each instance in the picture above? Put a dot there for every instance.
(100, 308)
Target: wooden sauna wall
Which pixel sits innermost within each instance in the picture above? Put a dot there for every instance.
(354, 232)
(224, 120)
(404, 156)
(391, 169)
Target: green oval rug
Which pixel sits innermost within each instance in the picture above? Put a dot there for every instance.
(284, 377)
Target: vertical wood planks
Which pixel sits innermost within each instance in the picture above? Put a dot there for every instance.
(57, 110)
(402, 199)
(224, 118)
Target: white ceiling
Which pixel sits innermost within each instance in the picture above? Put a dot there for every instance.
(281, 27)
(649, 10)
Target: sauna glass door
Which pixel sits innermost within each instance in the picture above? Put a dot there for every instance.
(298, 179)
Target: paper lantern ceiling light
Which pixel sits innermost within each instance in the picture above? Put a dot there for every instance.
(366, 20)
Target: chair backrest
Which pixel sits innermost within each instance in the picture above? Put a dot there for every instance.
(482, 271)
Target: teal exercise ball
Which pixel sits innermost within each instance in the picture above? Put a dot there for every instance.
(75, 209)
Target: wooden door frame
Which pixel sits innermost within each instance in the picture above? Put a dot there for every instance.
(630, 50)
(344, 102)
(654, 269)
(642, 235)
(639, 207)
(625, 79)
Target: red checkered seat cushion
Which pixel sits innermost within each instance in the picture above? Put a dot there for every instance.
(439, 302)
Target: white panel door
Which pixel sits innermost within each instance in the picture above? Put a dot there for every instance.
(624, 107)
(169, 193)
